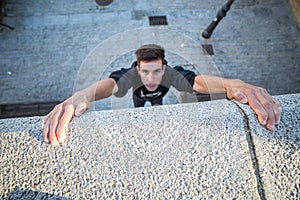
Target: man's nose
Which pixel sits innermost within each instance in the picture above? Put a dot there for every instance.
(151, 77)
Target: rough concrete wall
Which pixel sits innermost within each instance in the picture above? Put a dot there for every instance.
(209, 150)
(296, 8)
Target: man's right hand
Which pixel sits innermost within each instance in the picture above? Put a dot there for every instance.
(56, 123)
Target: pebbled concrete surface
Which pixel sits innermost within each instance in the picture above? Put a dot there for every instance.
(278, 152)
(209, 150)
(157, 152)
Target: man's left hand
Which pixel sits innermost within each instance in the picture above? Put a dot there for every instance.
(268, 109)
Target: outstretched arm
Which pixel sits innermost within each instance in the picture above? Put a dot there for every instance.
(57, 121)
(268, 110)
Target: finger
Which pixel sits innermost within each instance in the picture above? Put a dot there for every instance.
(53, 123)
(45, 120)
(239, 96)
(45, 126)
(269, 106)
(61, 132)
(52, 134)
(81, 108)
(46, 131)
(255, 104)
(278, 111)
(271, 120)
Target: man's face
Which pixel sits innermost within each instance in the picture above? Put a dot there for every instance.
(151, 73)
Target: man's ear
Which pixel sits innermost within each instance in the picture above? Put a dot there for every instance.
(164, 68)
(138, 65)
(138, 69)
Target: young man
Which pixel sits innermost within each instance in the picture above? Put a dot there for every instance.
(151, 78)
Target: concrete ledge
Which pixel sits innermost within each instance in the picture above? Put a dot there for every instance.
(278, 152)
(209, 150)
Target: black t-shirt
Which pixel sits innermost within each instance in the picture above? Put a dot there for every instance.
(178, 77)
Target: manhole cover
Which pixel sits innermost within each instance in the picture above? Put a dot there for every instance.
(104, 2)
(158, 20)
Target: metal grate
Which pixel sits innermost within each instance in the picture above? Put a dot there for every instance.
(208, 49)
(158, 20)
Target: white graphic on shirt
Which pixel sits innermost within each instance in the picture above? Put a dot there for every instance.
(151, 95)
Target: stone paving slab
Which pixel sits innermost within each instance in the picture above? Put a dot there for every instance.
(184, 151)
(278, 152)
(258, 43)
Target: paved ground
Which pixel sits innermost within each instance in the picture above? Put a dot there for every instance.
(167, 152)
(257, 42)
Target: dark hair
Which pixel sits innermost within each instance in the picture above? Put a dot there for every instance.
(150, 52)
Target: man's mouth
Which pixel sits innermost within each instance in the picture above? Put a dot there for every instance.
(151, 86)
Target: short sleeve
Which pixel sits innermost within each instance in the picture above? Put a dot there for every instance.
(123, 78)
(182, 79)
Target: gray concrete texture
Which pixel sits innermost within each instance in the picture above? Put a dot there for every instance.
(208, 150)
(258, 42)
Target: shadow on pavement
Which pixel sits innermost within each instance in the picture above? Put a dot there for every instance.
(31, 194)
